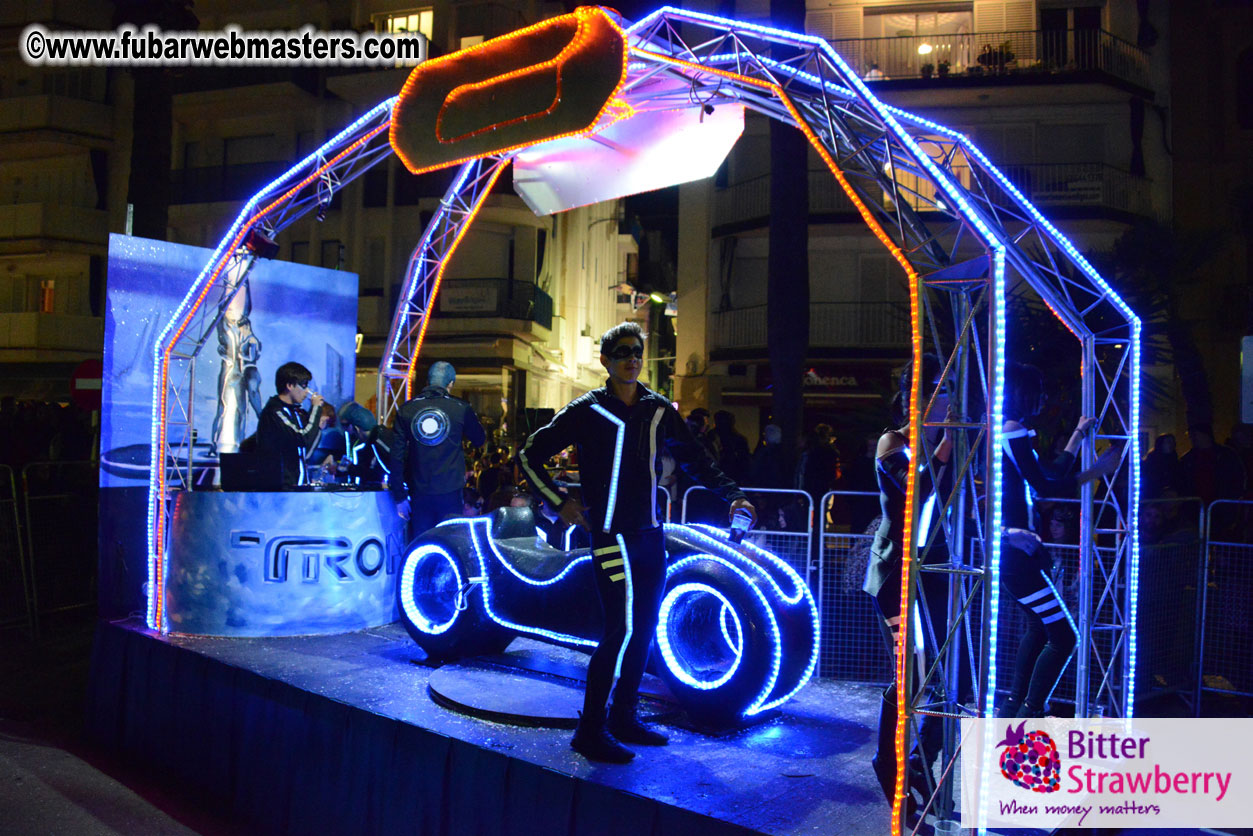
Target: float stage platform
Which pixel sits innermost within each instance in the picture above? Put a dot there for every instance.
(339, 734)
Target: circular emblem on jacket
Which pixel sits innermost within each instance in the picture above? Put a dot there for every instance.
(430, 426)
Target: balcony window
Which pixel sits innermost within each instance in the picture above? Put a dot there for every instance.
(47, 295)
(933, 38)
(919, 191)
(332, 255)
(885, 24)
(1066, 34)
(412, 20)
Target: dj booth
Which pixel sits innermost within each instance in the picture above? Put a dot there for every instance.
(308, 561)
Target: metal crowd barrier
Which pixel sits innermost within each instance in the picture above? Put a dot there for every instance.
(1226, 648)
(1195, 612)
(16, 607)
(853, 646)
(1168, 613)
(60, 501)
(1171, 556)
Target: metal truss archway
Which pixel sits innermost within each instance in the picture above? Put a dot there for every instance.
(962, 234)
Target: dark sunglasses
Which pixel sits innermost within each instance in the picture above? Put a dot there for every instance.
(622, 352)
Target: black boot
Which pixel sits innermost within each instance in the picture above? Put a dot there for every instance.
(626, 726)
(594, 742)
(1028, 711)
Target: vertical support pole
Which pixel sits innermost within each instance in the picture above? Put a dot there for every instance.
(191, 421)
(992, 525)
(960, 308)
(1132, 532)
(462, 201)
(1087, 550)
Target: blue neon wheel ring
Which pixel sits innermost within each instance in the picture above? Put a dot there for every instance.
(666, 644)
(736, 645)
(409, 596)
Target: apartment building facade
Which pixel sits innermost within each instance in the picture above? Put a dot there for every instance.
(62, 189)
(1070, 106)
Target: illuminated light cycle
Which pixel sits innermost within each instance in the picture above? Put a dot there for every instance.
(738, 633)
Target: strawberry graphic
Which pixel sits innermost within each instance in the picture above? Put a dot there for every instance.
(1031, 759)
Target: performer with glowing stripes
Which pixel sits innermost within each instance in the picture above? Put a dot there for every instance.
(1026, 566)
(620, 431)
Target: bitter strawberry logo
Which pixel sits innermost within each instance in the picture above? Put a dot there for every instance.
(1031, 760)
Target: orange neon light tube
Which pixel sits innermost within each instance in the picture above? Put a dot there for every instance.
(902, 654)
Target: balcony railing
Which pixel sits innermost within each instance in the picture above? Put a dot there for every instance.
(494, 298)
(1082, 184)
(56, 114)
(1045, 184)
(982, 54)
(22, 221)
(83, 83)
(751, 198)
(831, 325)
(50, 332)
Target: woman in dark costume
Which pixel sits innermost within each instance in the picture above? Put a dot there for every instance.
(883, 573)
(1026, 566)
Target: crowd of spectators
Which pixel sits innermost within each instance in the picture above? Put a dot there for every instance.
(43, 431)
(492, 481)
(1209, 471)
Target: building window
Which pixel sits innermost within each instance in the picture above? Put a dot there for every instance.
(1070, 34)
(919, 191)
(412, 20)
(332, 255)
(912, 40)
(47, 295)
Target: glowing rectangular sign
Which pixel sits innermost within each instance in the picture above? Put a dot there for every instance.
(650, 150)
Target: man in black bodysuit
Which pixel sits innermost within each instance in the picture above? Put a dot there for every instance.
(285, 431)
(619, 431)
(428, 469)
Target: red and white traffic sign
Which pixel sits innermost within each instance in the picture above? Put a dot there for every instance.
(87, 384)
